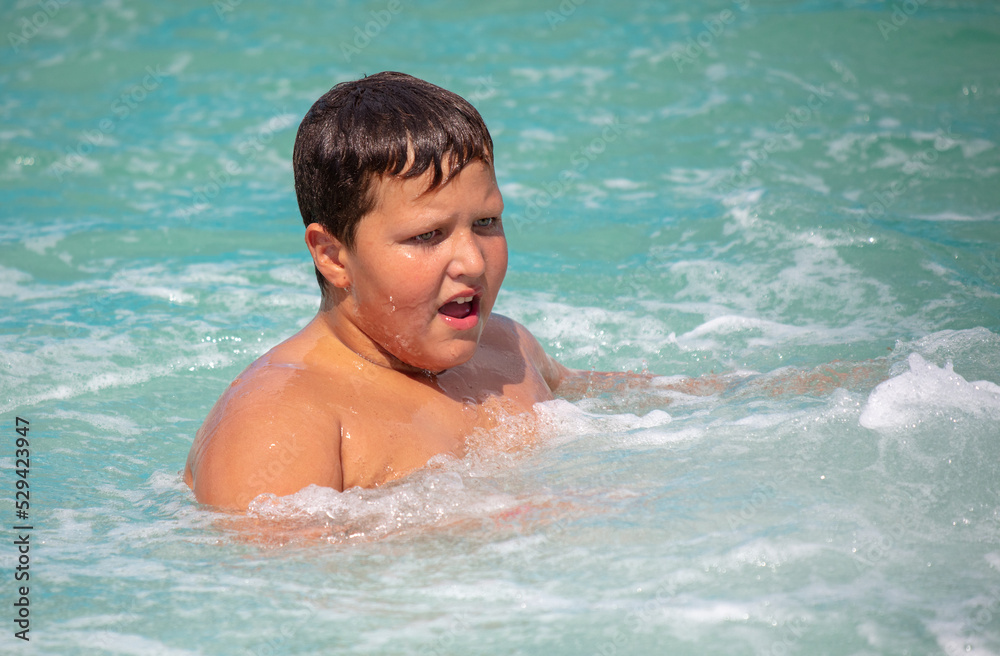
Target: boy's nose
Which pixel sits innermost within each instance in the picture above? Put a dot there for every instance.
(467, 257)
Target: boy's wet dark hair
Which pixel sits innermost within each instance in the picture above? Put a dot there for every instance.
(387, 124)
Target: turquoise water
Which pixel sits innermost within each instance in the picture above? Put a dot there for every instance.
(688, 191)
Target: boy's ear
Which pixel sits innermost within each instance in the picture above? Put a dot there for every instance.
(328, 254)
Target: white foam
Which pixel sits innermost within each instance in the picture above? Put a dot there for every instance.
(972, 148)
(711, 613)
(109, 426)
(540, 135)
(927, 390)
(425, 499)
(687, 108)
(945, 344)
(297, 275)
(622, 183)
(736, 324)
(113, 642)
(572, 420)
(10, 281)
(45, 242)
(950, 215)
(716, 72)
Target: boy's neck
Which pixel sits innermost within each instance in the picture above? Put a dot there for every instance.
(363, 347)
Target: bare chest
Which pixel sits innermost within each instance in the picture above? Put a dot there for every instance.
(398, 428)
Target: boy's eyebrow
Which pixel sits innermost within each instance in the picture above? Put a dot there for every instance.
(431, 215)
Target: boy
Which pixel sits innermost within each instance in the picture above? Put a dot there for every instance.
(405, 359)
(395, 183)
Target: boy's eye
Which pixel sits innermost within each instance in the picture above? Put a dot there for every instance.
(485, 223)
(425, 237)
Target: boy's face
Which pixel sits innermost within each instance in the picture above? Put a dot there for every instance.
(426, 268)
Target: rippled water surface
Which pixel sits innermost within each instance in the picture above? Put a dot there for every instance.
(745, 186)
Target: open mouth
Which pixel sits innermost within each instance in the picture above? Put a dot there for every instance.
(460, 308)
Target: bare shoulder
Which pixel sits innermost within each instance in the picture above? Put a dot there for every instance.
(506, 332)
(270, 431)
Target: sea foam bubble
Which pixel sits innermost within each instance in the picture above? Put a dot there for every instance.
(927, 390)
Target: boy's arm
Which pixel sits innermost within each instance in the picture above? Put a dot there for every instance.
(579, 383)
(821, 380)
(783, 382)
(259, 442)
(574, 384)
